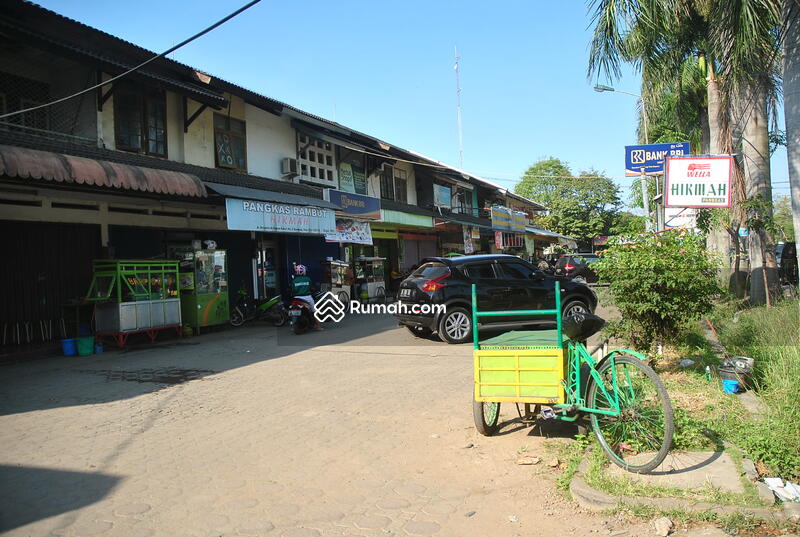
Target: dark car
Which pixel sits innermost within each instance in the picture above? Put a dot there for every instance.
(504, 282)
(786, 256)
(577, 266)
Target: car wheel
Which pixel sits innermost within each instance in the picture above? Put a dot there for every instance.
(573, 307)
(419, 331)
(455, 326)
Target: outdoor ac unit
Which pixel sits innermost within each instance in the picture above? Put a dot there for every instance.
(289, 166)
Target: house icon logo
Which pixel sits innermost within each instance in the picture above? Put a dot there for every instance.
(637, 156)
(329, 308)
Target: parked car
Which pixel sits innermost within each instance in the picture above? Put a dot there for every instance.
(577, 266)
(504, 282)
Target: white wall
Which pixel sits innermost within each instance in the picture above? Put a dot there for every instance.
(269, 140)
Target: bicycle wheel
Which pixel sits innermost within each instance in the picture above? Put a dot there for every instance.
(486, 416)
(643, 429)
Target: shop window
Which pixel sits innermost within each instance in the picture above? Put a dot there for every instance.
(140, 122)
(316, 160)
(387, 182)
(230, 143)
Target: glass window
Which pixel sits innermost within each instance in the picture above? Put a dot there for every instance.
(140, 122)
(431, 270)
(387, 183)
(517, 271)
(400, 186)
(480, 271)
(311, 156)
(230, 143)
(128, 120)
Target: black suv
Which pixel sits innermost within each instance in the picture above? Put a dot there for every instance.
(577, 266)
(504, 282)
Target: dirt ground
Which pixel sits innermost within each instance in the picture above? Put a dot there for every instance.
(359, 430)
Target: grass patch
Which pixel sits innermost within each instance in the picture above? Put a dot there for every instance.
(570, 455)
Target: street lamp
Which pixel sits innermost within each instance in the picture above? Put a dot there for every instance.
(600, 88)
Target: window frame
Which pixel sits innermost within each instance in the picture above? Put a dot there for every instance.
(386, 178)
(232, 134)
(144, 99)
(400, 175)
(322, 150)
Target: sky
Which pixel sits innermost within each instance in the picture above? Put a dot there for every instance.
(386, 69)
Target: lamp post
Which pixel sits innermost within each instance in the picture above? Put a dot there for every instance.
(600, 88)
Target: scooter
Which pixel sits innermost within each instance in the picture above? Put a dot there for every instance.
(301, 319)
(247, 309)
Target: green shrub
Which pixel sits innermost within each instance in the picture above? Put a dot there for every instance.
(660, 283)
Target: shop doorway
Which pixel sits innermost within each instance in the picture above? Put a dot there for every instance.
(267, 268)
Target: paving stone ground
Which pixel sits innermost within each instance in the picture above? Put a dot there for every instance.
(236, 434)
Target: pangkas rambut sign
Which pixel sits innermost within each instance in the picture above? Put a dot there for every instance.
(698, 181)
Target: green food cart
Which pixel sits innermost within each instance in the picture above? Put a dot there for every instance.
(204, 288)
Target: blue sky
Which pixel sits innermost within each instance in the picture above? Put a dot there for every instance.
(386, 69)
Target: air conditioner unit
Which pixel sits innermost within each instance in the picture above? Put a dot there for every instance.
(289, 166)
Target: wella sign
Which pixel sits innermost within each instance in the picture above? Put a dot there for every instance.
(698, 181)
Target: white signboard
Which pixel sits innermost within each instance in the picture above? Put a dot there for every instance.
(699, 181)
(680, 217)
(353, 231)
(254, 215)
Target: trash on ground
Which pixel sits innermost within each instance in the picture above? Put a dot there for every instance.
(787, 492)
(687, 363)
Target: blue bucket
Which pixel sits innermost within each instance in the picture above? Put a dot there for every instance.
(69, 347)
(730, 386)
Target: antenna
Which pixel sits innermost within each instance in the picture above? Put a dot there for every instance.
(458, 111)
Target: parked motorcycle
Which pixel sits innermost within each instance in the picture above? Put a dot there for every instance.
(301, 319)
(247, 309)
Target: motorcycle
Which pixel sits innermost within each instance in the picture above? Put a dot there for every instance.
(301, 319)
(246, 309)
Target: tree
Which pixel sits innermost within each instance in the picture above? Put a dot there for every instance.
(583, 206)
(791, 100)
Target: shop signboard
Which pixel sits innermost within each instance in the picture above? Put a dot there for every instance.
(253, 215)
(680, 217)
(476, 233)
(441, 196)
(498, 240)
(650, 157)
(501, 218)
(699, 181)
(354, 205)
(360, 181)
(346, 181)
(530, 244)
(352, 231)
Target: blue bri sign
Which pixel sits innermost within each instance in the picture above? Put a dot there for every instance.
(651, 157)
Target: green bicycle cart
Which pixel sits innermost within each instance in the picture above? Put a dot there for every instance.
(624, 400)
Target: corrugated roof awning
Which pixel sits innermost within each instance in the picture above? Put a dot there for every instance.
(544, 233)
(241, 192)
(25, 163)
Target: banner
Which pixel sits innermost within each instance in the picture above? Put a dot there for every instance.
(680, 217)
(468, 249)
(441, 196)
(353, 231)
(346, 180)
(519, 221)
(501, 218)
(698, 181)
(354, 205)
(252, 215)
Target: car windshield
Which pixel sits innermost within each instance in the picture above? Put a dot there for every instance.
(431, 270)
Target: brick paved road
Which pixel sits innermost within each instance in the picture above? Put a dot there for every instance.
(366, 437)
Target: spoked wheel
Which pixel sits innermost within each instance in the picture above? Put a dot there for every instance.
(644, 427)
(237, 319)
(486, 417)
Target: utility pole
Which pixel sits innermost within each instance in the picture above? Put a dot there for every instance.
(458, 111)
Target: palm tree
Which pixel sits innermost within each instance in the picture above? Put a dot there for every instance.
(736, 42)
(791, 101)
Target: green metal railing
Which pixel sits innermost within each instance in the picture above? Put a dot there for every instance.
(476, 315)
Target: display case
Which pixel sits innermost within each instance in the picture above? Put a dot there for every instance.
(134, 296)
(204, 288)
(337, 277)
(370, 281)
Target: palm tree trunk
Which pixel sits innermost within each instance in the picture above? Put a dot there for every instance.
(755, 150)
(718, 241)
(791, 101)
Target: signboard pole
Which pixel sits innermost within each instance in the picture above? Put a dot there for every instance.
(645, 201)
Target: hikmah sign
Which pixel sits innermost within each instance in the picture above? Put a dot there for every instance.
(698, 181)
(252, 215)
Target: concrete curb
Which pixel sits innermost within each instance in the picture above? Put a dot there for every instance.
(595, 500)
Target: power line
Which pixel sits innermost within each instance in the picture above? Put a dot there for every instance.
(131, 70)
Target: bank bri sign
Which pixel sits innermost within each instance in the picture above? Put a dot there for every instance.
(354, 205)
(651, 157)
(252, 215)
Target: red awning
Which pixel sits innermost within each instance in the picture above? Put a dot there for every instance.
(34, 164)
